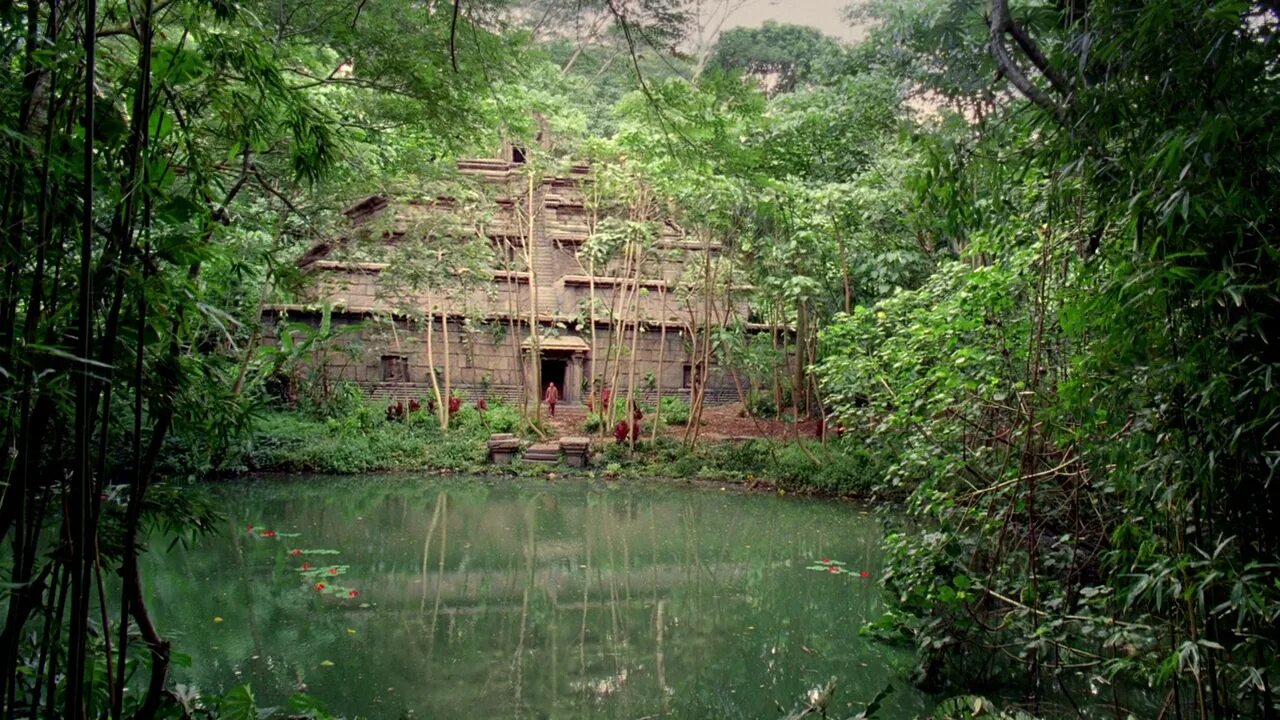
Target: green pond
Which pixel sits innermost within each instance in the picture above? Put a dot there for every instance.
(451, 598)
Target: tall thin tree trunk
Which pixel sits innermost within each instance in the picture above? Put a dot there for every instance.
(695, 349)
(621, 344)
(78, 513)
(594, 394)
(442, 412)
(635, 349)
(844, 270)
(662, 357)
(593, 391)
(798, 387)
(780, 357)
(704, 373)
(513, 313)
(617, 326)
(444, 336)
(701, 369)
(535, 334)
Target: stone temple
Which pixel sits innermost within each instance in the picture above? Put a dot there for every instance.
(523, 320)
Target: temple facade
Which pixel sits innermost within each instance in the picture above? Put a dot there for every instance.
(524, 321)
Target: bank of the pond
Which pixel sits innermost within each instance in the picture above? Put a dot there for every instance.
(299, 443)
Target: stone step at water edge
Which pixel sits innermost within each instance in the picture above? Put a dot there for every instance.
(540, 461)
(545, 453)
(504, 442)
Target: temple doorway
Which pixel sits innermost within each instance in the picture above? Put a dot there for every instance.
(560, 360)
(553, 371)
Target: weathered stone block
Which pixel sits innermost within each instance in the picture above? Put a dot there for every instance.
(503, 448)
(577, 450)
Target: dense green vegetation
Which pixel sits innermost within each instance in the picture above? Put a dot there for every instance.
(284, 442)
(1080, 394)
(1024, 254)
(353, 436)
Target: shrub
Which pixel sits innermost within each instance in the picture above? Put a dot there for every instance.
(344, 400)
(502, 418)
(423, 419)
(467, 418)
(761, 405)
(844, 468)
(295, 442)
(615, 453)
(675, 411)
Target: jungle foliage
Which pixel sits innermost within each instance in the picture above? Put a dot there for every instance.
(1080, 396)
(1023, 254)
(157, 157)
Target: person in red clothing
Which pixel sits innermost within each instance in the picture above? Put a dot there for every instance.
(551, 397)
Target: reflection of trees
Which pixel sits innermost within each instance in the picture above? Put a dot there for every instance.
(530, 552)
(615, 604)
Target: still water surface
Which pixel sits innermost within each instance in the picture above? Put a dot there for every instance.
(449, 598)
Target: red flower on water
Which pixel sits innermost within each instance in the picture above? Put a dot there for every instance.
(306, 566)
(824, 561)
(834, 569)
(864, 574)
(249, 529)
(333, 571)
(319, 587)
(354, 593)
(269, 533)
(295, 551)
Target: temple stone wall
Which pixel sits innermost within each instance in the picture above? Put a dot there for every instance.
(488, 320)
(486, 358)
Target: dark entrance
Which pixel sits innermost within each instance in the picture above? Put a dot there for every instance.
(553, 372)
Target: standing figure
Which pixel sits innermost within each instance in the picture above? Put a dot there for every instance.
(551, 397)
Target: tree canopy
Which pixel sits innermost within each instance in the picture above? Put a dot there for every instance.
(782, 56)
(1020, 254)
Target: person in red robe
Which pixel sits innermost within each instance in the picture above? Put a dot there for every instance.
(551, 397)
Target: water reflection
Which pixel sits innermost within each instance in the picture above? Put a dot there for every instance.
(481, 599)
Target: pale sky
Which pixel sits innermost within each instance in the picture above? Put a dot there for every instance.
(824, 15)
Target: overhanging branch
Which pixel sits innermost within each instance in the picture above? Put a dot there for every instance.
(1037, 58)
(1002, 24)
